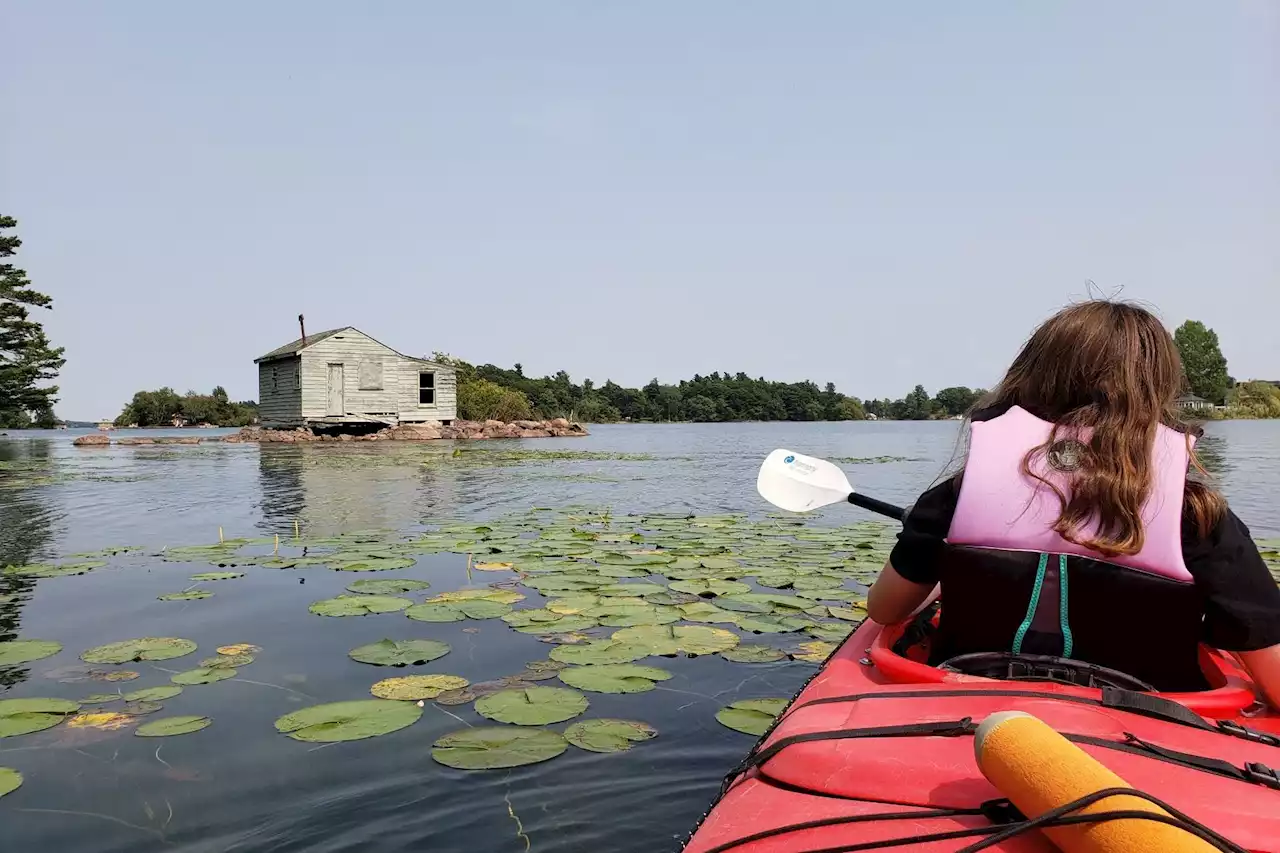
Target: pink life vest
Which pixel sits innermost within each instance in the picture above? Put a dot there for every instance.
(1000, 507)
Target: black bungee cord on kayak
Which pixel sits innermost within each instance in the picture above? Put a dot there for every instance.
(1060, 816)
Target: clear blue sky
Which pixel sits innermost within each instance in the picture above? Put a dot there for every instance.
(874, 194)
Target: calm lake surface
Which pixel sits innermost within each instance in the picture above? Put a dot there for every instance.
(241, 786)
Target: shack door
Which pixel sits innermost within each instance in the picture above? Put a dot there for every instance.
(337, 400)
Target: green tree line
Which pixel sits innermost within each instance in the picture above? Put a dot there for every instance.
(160, 407)
(487, 391)
(28, 361)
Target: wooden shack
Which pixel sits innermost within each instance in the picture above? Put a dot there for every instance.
(344, 377)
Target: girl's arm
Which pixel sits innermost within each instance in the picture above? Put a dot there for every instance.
(1264, 666)
(893, 598)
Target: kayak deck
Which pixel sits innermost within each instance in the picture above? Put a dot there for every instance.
(879, 748)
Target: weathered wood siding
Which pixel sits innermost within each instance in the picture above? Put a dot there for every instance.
(446, 405)
(378, 381)
(349, 348)
(280, 392)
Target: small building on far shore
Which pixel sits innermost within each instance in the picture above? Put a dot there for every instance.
(1190, 402)
(343, 377)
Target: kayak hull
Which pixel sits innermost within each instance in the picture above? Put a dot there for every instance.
(878, 746)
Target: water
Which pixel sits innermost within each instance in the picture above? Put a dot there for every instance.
(239, 786)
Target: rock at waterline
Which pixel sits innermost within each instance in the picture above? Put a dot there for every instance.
(429, 431)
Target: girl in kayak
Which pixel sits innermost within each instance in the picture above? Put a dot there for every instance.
(1073, 530)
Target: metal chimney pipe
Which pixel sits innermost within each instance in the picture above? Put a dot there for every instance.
(303, 327)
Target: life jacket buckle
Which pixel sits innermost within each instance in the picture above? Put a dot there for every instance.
(1262, 774)
(1233, 728)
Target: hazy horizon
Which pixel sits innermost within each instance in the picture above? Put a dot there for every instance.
(871, 196)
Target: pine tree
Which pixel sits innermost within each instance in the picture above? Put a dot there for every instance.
(27, 360)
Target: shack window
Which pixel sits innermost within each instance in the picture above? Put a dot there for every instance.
(426, 388)
(371, 373)
(275, 378)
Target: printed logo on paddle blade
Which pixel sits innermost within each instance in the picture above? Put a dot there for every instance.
(797, 465)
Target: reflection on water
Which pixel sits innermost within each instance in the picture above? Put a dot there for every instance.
(360, 487)
(1211, 451)
(239, 786)
(26, 531)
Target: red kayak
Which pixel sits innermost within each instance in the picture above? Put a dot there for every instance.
(877, 752)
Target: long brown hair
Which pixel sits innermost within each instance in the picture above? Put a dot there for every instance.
(1112, 367)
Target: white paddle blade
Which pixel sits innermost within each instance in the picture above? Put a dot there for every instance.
(799, 483)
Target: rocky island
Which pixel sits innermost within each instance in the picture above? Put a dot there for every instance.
(458, 430)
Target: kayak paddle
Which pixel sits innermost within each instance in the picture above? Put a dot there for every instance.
(799, 483)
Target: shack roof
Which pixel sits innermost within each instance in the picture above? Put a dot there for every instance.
(295, 347)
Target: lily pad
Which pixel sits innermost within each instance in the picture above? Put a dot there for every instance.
(114, 675)
(709, 588)
(849, 595)
(140, 709)
(456, 697)
(608, 735)
(358, 605)
(613, 678)
(239, 649)
(738, 606)
(389, 586)
(435, 611)
(53, 570)
(283, 562)
(188, 595)
(203, 675)
(533, 706)
(24, 651)
(146, 648)
(776, 579)
(832, 632)
(765, 625)
(100, 699)
(773, 600)
(752, 653)
(343, 721)
(545, 666)
(492, 567)
(644, 615)
(504, 596)
(572, 605)
(531, 616)
(153, 694)
(217, 576)
(497, 747)
(849, 614)
(814, 652)
(400, 652)
(751, 716)
(417, 687)
(670, 640)
(107, 721)
(483, 608)
(23, 716)
(607, 651)
(10, 780)
(374, 564)
(170, 726)
(228, 661)
(705, 611)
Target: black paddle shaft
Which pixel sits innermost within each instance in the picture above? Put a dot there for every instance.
(880, 507)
